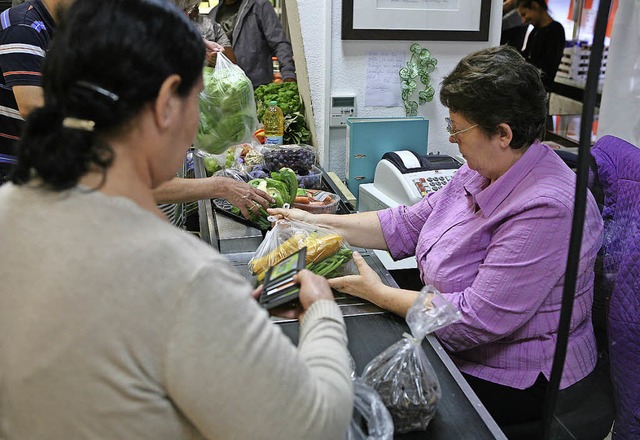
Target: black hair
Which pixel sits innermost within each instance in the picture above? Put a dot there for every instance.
(107, 60)
(494, 86)
(529, 3)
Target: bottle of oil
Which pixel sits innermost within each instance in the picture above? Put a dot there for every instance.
(273, 122)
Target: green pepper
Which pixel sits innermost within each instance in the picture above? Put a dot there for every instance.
(288, 176)
(301, 192)
(275, 194)
(280, 186)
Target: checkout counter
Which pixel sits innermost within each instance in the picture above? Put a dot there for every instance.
(370, 329)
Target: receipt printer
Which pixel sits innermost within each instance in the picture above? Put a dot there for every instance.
(406, 177)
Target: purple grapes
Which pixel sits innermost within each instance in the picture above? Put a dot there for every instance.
(299, 159)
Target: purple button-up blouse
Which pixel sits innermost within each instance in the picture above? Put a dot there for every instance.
(498, 252)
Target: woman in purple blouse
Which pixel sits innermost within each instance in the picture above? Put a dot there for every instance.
(494, 241)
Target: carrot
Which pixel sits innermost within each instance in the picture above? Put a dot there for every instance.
(302, 199)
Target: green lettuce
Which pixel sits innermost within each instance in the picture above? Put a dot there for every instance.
(227, 110)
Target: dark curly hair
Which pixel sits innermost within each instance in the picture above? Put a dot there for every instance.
(494, 86)
(107, 60)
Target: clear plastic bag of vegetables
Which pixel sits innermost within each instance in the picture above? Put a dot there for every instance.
(216, 162)
(243, 157)
(228, 113)
(402, 374)
(327, 253)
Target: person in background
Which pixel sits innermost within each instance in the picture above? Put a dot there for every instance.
(113, 324)
(545, 44)
(513, 30)
(25, 34)
(494, 241)
(210, 30)
(256, 36)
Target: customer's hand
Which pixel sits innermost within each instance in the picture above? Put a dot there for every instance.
(291, 214)
(212, 50)
(312, 288)
(361, 285)
(244, 196)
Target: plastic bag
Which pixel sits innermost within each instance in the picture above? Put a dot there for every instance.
(241, 157)
(327, 253)
(300, 158)
(227, 108)
(402, 374)
(371, 419)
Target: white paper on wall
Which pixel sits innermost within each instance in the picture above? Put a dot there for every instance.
(383, 80)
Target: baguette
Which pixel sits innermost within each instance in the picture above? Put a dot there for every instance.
(318, 248)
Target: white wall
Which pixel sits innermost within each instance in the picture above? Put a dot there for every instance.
(619, 114)
(345, 74)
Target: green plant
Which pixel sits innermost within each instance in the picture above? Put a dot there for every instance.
(296, 130)
(420, 65)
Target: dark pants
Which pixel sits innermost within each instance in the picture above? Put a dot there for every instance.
(511, 406)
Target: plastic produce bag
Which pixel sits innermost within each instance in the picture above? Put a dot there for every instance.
(242, 157)
(227, 108)
(300, 158)
(327, 253)
(371, 419)
(402, 374)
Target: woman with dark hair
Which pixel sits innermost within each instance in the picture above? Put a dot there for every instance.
(494, 241)
(113, 323)
(545, 44)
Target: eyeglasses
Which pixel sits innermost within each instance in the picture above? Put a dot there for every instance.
(456, 133)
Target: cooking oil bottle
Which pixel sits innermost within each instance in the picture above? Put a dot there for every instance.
(273, 122)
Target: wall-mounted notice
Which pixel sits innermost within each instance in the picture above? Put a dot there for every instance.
(383, 81)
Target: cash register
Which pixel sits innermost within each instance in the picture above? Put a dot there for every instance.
(404, 178)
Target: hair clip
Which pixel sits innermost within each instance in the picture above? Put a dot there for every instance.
(78, 124)
(104, 92)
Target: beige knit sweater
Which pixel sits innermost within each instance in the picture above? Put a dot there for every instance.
(116, 325)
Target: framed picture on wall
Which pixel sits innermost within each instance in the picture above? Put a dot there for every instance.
(428, 20)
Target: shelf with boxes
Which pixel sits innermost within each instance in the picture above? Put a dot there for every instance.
(571, 78)
(575, 61)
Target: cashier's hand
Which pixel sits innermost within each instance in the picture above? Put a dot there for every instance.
(292, 214)
(247, 198)
(362, 285)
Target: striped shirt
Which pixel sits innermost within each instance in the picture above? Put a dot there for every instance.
(25, 33)
(498, 253)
